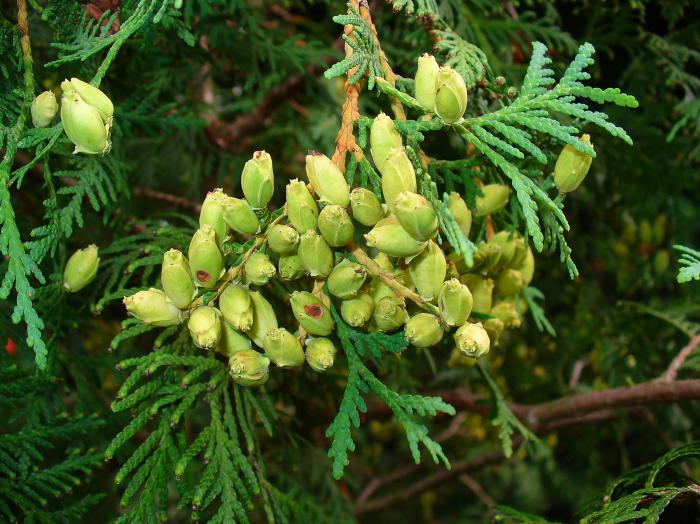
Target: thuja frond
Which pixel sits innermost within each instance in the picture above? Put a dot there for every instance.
(356, 346)
(462, 56)
(365, 56)
(689, 262)
(503, 418)
(531, 296)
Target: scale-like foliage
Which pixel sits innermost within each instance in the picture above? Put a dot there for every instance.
(690, 264)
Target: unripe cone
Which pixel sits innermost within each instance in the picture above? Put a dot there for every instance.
(44, 108)
(205, 327)
(84, 125)
(240, 217)
(425, 81)
(572, 167)
(259, 269)
(327, 180)
(398, 175)
(450, 95)
(527, 269)
(176, 278)
(81, 269)
(153, 307)
(258, 180)
(236, 306)
(661, 261)
(455, 302)
(315, 255)
(90, 95)
(382, 137)
(423, 330)
(508, 244)
(494, 327)
(291, 268)
(416, 215)
(506, 313)
(206, 262)
(264, 318)
(391, 238)
(335, 226)
(384, 262)
(249, 368)
(212, 213)
(482, 292)
(487, 256)
(427, 271)
(320, 354)
(302, 210)
(357, 311)
(509, 282)
(282, 239)
(365, 205)
(646, 232)
(472, 340)
(346, 279)
(231, 341)
(459, 210)
(389, 314)
(283, 348)
(311, 313)
(494, 199)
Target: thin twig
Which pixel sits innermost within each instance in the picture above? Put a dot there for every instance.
(476, 488)
(676, 364)
(166, 197)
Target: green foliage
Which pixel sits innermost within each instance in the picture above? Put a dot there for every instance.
(690, 262)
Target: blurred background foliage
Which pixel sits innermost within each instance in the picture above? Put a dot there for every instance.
(214, 81)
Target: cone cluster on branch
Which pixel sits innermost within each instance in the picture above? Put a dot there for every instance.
(311, 250)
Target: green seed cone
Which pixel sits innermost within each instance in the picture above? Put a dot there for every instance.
(572, 167)
(346, 279)
(206, 262)
(315, 255)
(391, 238)
(282, 239)
(482, 292)
(384, 262)
(205, 327)
(240, 217)
(259, 269)
(450, 95)
(84, 125)
(494, 199)
(509, 282)
(416, 215)
(661, 261)
(423, 330)
(507, 313)
(236, 306)
(426, 77)
(428, 270)
(249, 368)
(487, 257)
(472, 340)
(81, 269)
(357, 311)
(382, 137)
(258, 180)
(508, 243)
(389, 314)
(264, 318)
(327, 180)
(494, 327)
(335, 226)
(366, 208)
(302, 209)
(320, 354)
(460, 212)
(311, 313)
(153, 307)
(231, 341)
(283, 348)
(212, 214)
(398, 175)
(455, 302)
(176, 279)
(291, 268)
(90, 95)
(44, 108)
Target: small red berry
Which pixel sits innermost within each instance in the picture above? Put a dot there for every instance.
(11, 347)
